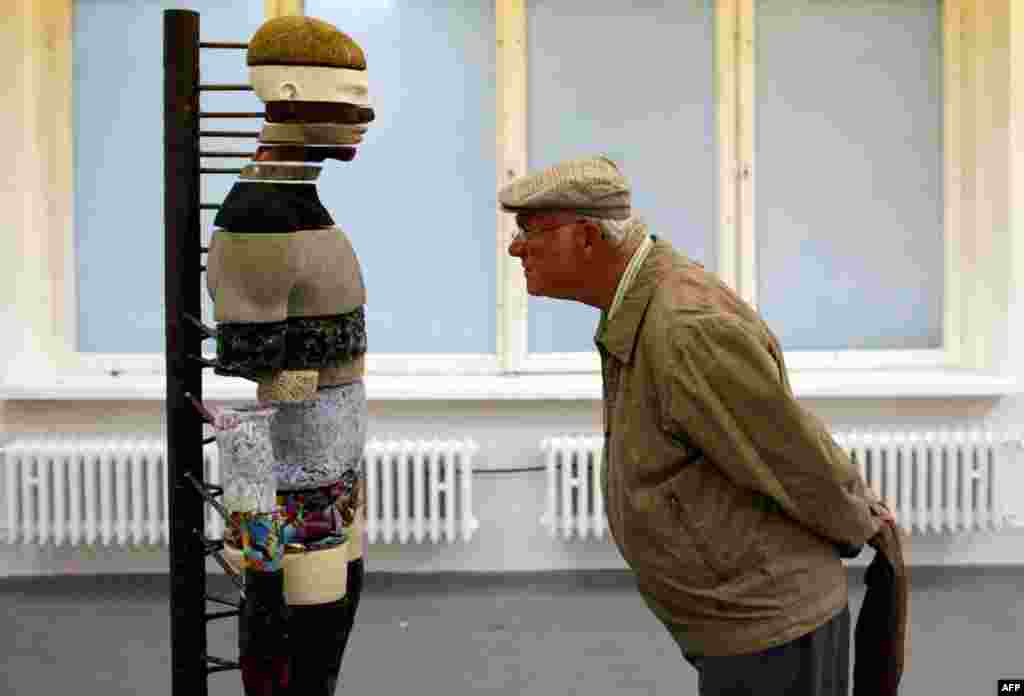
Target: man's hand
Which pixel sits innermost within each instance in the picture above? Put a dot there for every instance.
(879, 509)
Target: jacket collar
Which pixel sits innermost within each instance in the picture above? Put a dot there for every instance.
(618, 334)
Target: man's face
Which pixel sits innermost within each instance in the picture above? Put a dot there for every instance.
(547, 246)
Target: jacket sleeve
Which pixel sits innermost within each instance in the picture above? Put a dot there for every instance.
(723, 389)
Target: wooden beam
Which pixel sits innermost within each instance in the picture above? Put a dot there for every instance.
(726, 130)
(38, 257)
(953, 166)
(746, 271)
(1016, 153)
(511, 163)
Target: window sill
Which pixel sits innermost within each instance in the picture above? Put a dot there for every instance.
(807, 384)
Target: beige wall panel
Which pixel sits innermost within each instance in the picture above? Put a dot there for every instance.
(81, 416)
(35, 200)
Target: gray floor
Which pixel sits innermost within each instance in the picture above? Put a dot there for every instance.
(585, 633)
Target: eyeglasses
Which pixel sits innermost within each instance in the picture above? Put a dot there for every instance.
(525, 234)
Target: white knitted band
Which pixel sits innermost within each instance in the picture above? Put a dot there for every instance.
(309, 83)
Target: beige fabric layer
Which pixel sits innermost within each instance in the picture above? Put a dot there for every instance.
(592, 186)
(275, 171)
(343, 374)
(310, 577)
(312, 133)
(301, 385)
(271, 277)
(289, 385)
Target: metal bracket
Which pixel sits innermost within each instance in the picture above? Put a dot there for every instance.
(203, 328)
(204, 491)
(232, 371)
(218, 664)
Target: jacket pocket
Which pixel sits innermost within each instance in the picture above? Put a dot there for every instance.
(726, 523)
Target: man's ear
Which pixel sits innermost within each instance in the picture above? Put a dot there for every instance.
(591, 235)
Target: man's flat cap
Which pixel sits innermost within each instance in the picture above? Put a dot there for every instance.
(592, 186)
(297, 40)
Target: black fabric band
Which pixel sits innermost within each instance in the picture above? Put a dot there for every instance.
(263, 207)
(247, 347)
(325, 342)
(299, 343)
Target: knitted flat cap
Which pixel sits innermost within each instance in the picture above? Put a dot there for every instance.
(296, 40)
(592, 186)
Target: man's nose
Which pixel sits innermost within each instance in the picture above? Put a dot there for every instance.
(515, 248)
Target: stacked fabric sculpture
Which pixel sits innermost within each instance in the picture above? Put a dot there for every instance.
(289, 301)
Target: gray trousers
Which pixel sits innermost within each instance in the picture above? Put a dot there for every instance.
(817, 664)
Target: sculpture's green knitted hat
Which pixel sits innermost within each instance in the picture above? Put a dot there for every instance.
(296, 40)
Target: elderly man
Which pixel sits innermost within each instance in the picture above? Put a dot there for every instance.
(731, 503)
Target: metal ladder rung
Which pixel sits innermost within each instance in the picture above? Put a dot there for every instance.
(220, 664)
(221, 615)
(232, 114)
(211, 546)
(225, 88)
(223, 44)
(217, 599)
(229, 134)
(226, 153)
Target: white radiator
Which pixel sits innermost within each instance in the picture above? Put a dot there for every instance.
(91, 490)
(935, 481)
(575, 495)
(951, 481)
(419, 490)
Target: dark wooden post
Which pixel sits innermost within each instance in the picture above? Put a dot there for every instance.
(184, 376)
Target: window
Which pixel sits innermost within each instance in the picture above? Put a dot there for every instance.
(418, 201)
(118, 159)
(849, 184)
(727, 86)
(634, 82)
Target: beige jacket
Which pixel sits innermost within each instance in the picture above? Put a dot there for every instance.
(735, 550)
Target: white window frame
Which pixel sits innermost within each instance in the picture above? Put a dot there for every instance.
(736, 230)
(741, 266)
(42, 362)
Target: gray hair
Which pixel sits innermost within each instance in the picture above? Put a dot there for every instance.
(614, 231)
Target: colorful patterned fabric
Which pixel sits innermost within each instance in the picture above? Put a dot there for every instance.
(315, 518)
(305, 520)
(260, 533)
